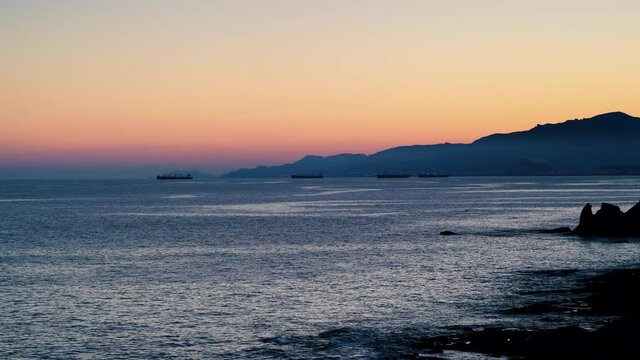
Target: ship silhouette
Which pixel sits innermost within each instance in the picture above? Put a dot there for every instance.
(175, 177)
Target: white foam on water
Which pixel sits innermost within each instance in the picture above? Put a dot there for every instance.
(336, 192)
(182, 196)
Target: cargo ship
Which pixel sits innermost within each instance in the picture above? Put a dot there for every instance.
(175, 177)
(392, 176)
(307, 176)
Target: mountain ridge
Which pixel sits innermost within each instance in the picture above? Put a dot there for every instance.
(597, 145)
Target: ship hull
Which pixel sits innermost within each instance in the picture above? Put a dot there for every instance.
(162, 177)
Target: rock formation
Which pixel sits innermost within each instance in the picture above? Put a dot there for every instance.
(609, 221)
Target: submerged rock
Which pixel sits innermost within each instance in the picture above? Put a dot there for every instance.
(560, 230)
(609, 221)
(542, 307)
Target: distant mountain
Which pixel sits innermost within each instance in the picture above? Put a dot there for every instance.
(604, 144)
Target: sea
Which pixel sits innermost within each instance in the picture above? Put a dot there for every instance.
(333, 268)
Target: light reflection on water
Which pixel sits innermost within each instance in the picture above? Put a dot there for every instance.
(234, 269)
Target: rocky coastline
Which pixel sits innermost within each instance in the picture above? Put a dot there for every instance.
(609, 221)
(613, 296)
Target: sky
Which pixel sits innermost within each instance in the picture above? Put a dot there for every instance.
(101, 88)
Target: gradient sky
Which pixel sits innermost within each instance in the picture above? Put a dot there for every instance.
(222, 84)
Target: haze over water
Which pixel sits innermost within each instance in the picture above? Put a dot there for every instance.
(281, 268)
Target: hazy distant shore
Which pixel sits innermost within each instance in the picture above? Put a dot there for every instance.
(605, 144)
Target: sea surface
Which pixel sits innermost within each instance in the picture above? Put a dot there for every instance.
(280, 268)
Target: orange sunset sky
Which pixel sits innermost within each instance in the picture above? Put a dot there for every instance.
(217, 85)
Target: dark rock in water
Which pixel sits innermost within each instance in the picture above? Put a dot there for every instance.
(281, 340)
(616, 340)
(609, 221)
(543, 307)
(560, 230)
(520, 343)
(611, 294)
(448, 233)
(615, 293)
(633, 214)
(556, 272)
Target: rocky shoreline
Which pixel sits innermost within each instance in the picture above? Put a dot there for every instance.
(614, 296)
(612, 299)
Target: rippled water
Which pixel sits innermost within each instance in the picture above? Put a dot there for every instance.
(281, 268)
